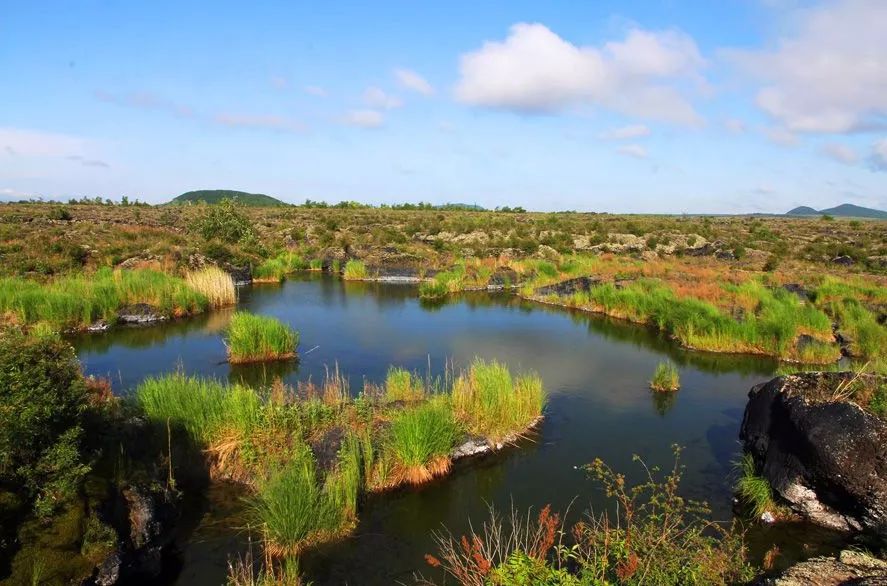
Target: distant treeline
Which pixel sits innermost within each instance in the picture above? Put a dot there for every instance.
(93, 201)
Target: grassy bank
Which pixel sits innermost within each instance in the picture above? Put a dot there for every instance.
(77, 301)
(258, 338)
(275, 269)
(307, 454)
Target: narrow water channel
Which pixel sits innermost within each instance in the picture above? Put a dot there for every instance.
(595, 370)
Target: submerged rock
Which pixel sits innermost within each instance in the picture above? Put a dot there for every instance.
(849, 567)
(823, 455)
(569, 286)
(139, 313)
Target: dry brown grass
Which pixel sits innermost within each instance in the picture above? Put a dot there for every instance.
(215, 284)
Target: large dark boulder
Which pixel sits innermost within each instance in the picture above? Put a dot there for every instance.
(821, 453)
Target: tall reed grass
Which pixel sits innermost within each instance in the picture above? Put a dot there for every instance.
(494, 404)
(215, 284)
(257, 338)
(77, 301)
(403, 385)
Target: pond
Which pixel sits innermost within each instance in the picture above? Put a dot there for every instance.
(595, 370)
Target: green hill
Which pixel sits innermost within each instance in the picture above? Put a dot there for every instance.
(845, 210)
(216, 195)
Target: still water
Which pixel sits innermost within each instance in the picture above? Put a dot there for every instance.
(595, 370)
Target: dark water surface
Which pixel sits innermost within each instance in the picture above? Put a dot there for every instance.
(595, 370)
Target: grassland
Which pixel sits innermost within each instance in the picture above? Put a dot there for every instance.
(277, 441)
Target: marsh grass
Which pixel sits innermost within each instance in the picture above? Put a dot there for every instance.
(257, 338)
(274, 270)
(355, 270)
(753, 490)
(421, 440)
(403, 385)
(294, 510)
(493, 404)
(76, 302)
(215, 284)
(665, 377)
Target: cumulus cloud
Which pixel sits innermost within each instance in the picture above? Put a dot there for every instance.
(315, 90)
(647, 74)
(632, 150)
(412, 81)
(145, 101)
(830, 74)
(840, 153)
(268, 122)
(364, 118)
(632, 131)
(878, 159)
(375, 97)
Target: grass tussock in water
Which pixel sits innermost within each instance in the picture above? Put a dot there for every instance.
(421, 440)
(494, 404)
(753, 489)
(215, 284)
(355, 270)
(77, 301)
(665, 377)
(258, 338)
(274, 270)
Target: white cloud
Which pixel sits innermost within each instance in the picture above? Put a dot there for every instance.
(364, 118)
(840, 153)
(632, 131)
(632, 150)
(411, 80)
(535, 70)
(145, 101)
(315, 90)
(375, 97)
(878, 158)
(734, 125)
(264, 121)
(36, 143)
(781, 136)
(830, 75)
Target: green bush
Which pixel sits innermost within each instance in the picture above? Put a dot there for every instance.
(42, 402)
(226, 222)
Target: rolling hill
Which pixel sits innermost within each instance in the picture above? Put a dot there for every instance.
(212, 196)
(845, 210)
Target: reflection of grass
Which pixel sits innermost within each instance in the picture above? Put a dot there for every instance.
(665, 377)
(255, 338)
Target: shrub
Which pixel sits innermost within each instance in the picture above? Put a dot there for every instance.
(215, 284)
(665, 377)
(355, 270)
(256, 338)
(42, 402)
(421, 439)
(60, 214)
(493, 404)
(226, 222)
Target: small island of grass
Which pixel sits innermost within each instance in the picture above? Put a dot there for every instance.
(258, 338)
(665, 378)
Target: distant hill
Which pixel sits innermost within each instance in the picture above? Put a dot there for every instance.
(216, 195)
(845, 210)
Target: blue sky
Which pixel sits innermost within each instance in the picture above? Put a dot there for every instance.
(630, 106)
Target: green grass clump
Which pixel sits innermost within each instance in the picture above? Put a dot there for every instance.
(753, 490)
(403, 385)
(495, 405)
(665, 377)
(421, 439)
(355, 270)
(294, 510)
(433, 289)
(77, 301)
(205, 408)
(256, 338)
(275, 269)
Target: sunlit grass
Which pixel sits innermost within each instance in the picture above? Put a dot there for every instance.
(256, 338)
(403, 385)
(753, 490)
(421, 439)
(215, 284)
(665, 377)
(355, 270)
(495, 405)
(274, 270)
